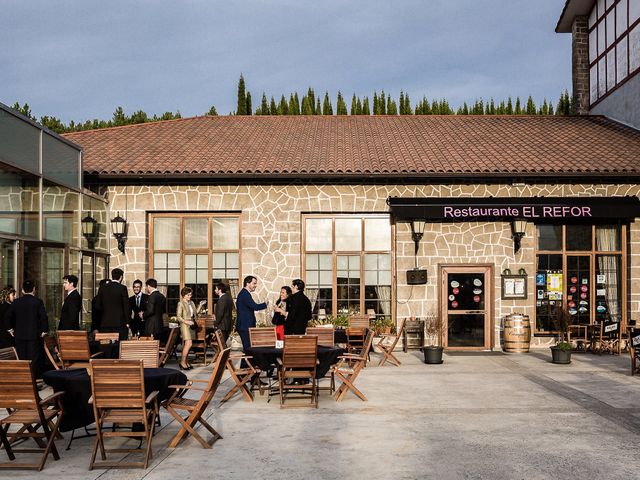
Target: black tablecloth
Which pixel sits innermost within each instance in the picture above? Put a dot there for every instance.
(264, 357)
(76, 384)
(340, 335)
(109, 350)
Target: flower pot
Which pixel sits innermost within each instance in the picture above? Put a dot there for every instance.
(559, 355)
(432, 355)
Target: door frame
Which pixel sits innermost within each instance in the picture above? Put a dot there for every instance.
(487, 269)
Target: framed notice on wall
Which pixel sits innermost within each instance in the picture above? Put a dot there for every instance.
(514, 287)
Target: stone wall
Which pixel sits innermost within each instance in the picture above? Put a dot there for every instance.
(271, 232)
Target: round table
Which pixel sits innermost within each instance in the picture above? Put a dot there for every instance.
(265, 357)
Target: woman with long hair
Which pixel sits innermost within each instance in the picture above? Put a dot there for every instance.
(279, 311)
(186, 314)
(7, 296)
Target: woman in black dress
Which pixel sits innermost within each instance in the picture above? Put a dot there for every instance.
(7, 296)
(279, 310)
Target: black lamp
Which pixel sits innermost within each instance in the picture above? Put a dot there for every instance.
(417, 231)
(90, 230)
(119, 230)
(518, 230)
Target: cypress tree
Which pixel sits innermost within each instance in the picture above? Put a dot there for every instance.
(402, 112)
(509, 109)
(312, 100)
(407, 105)
(306, 107)
(550, 112)
(249, 109)
(465, 109)
(501, 108)
(327, 108)
(358, 107)
(365, 106)
(531, 106)
(212, 111)
(241, 108)
(518, 109)
(354, 105)
(382, 101)
(264, 106)
(392, 107)
(292, 106)
(492, 107)
(435, 107)
(376, 109)
(283, 106)
(318, 107)
(273, 108)
(341, 106)
(487, 109)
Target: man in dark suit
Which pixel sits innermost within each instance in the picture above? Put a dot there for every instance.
(223, 312)
(246, 309)
(137, 305)
(113, 304)
(156, 307)
(72, 305)
(29, 322)
(298, 310)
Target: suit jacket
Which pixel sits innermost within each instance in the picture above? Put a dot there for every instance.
(156, 305)
(223, 312)
(28, 318)
(299, 314)
(246, 308)
(70, 314)
(113, 304)
(133, 306)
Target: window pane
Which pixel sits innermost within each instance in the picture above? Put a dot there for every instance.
(549, 237)
(579, 237)
(549, 290)
(195, 232)
(608, 238)
(318, 235)
(173, 276)
(621, 57)
(592, 45)
(160, 260)
(348, 234)
(325, 262)
(166, 233)
(60, 162)
(225, 233)
(20, 142)
(634, 46)
(377, 234)
(611, 69)
(608, 288)
(312, 262)
(611, 28)
(232, 260)
(190, 276)
(621, 17)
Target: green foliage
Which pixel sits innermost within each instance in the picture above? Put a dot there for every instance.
(392, 108)
(273, 108)
(327, 108)
(354, 105)
(564, 346)
(264, 106)
(383, 325)
(531, 106)
(518, 109)
(241, 108)
(365, 106)
(24, 110)
(341, 106)
(249, 108)
(283, 106)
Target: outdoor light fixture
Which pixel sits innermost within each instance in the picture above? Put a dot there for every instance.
(119, 230)
(90, 230)
(417, 276)
(518, 230)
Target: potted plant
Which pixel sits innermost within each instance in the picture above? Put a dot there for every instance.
(382, 326)
(561, 351)
(434, 329)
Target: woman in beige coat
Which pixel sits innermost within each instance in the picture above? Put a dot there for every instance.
(186, 314)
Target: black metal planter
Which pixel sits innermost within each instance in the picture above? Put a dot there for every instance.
(560, 356)
(432, 355)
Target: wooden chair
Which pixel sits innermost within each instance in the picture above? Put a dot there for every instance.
(241, 376)
(146, 350)
(634, 345)
(325, 336)
(118, 397)
(355, 339)
(388, 348)
(298, 364)
(73, 349)
(8, 353)
(348, 369)
(170, 347)
(199, 346)
(262, 337)
(359, 321)
(196, 409)
(106, 337)
(19, 395)
(51, 350)
(609, 339)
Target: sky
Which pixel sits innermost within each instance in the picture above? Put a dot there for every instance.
(79, 60)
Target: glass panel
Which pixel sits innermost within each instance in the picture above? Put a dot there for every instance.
(602, 80)
(608, 238)
(195, 233)
(579, 289)
(611, 28)
(593, 16)
(634, 11)
(377, 234)
(20, 143)
(166, 233)
(611, 69)
(225, 233)
(325, 278)
(601, 38)
(348, 234)
(60, 207)
(318, 234)
(87, 289)
(549, 237)
(190, 276)
(549, 290)
(348, 283)
(7, 265)
(196, 276)
(608, 288)
(45, 266)
(465, 330)
(621, 57)
(634, 46)
(579, 237)
(621, 18)
(233, 260)
(160, 260)
(601, 8)
(19, 202)
(312, 262)
(593, 83)
(60, 162)
(592, 45)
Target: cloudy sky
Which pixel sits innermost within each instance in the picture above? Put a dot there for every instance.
(81, 59)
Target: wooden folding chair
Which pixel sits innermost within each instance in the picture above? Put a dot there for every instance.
(200, 345)
(170, 347)
(107, 337)
(355, 339)
(146, 350)
(325, 335)
(298, 364)
(8, 353)
(73, 349)
(19, 395)
(262, 337)
(118, 397)
(51, 350)
(388, 348)
(241, 376)
(348, 369)
(196, 409)
(359, 321)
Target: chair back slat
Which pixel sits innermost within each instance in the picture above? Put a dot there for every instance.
(106, 337)
(8, 353)
(300, 351)
(17, 385)
(325, 335)
(262, 337)
(73, 346)
(359, 321)
(146, 350)
(117, 383)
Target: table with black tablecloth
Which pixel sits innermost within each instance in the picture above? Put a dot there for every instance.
(264, 357)
(108, 349)
(76, 384)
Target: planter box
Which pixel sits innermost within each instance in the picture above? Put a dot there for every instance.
(433, 355)
(560, 356)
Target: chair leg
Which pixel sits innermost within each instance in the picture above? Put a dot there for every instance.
(6, 444)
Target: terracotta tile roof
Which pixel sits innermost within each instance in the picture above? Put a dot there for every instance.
(461, 146)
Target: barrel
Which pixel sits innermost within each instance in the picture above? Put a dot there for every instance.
(517, 333)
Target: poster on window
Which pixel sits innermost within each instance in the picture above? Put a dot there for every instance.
(554, 286)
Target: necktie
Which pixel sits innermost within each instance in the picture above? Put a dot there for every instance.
(138, 301)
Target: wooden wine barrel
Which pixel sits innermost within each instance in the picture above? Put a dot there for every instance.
(517, 333)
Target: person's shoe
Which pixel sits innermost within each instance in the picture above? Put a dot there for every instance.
(183, 368)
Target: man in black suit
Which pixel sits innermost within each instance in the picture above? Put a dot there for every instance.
(156, 307)
(72, 305)
(113, 304)
(224, 308)
(29, 322)
(298, 311)
(137, 305)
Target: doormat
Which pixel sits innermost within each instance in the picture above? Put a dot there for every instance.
(478, 353)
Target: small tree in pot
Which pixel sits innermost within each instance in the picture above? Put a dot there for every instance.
(561, 351)
(434, 330)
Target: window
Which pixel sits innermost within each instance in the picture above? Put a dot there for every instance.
(348, 264)
(579, 268)
(195, 251)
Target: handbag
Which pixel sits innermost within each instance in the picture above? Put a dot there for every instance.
(194, 325)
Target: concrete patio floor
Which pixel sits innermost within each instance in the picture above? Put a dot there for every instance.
(483, 415)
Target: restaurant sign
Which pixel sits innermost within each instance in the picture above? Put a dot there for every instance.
(534, 209)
